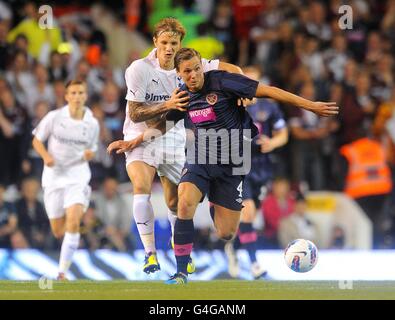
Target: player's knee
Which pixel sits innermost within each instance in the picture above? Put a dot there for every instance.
(73, 226)
(226, 235)
(137, 189)
(185, 209)
(58, 233)
(172, 204)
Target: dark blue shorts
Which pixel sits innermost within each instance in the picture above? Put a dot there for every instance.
(217, 182)
(254, 190)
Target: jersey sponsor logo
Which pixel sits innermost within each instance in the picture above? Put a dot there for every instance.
(212, 98)
(155, 97)
(203, 115)
(68, 141)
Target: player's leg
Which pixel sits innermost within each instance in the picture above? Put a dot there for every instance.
(142, 175)
(189, 196)
(71, 238)
(226, 222)
(171, 198)
(53, 202)
(76, 201)
(248, 236)
(170, 176)
(58, 226)
(246, 219)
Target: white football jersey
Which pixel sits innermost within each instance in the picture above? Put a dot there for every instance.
(147, 82)
(68, 138)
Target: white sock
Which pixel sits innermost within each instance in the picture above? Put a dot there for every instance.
(144, 219)
(69, 246)
(172, 216)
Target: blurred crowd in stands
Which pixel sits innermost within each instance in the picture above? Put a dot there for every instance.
(297, 44)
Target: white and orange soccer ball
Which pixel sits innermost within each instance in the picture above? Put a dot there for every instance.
(301, 255)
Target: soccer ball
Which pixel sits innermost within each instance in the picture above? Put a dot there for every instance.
(301, 255)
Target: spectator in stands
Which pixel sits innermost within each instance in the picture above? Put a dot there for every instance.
(57, 70)
(112, 210)
(32, 219)
(92, 234)
(5, 47)
(223, 26)
(59, 92)
(14, 138)
(41, 90)
(102, 164)
(308, 132)
(367, 179)
(279, 204)
(296, 225)
(205, 43)
(8, 220)
(357, 109)
(20, 78)
(34, 164)
(36, 35)
(103, 73)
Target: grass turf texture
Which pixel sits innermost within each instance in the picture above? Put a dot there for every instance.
(198, 290)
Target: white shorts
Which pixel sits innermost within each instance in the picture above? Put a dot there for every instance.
(57, 200)
(167, 164)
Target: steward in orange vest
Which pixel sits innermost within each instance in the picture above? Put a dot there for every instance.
(368, 173)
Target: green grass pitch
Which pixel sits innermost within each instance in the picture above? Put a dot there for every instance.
(198, 290)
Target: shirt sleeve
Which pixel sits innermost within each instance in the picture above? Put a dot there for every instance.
(209, 65)
(136, 81)
(238, 85)
(44, 128)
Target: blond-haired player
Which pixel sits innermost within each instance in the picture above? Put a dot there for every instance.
(152, 85)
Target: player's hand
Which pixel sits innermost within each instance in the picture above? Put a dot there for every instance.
(245, 102)
(121, 146)
(324, 109)
(49, 161)
(266, 144)
(88, 155)
(179, 100)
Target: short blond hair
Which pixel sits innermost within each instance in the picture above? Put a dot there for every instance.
(169, 25)
(76, 82)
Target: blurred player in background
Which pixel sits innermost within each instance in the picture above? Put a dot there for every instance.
(72, 134)
(213, 107)
(152, 85)
(273, 133)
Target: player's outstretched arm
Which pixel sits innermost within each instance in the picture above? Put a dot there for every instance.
(42, 151)
(141, 111)
(324, 109)
(224, 66)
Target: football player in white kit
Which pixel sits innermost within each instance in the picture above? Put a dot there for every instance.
(72, 133)
(152, 85)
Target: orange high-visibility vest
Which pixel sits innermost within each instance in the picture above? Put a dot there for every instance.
(368, 172)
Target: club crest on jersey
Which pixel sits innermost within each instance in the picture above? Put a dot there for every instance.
(212, 98)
